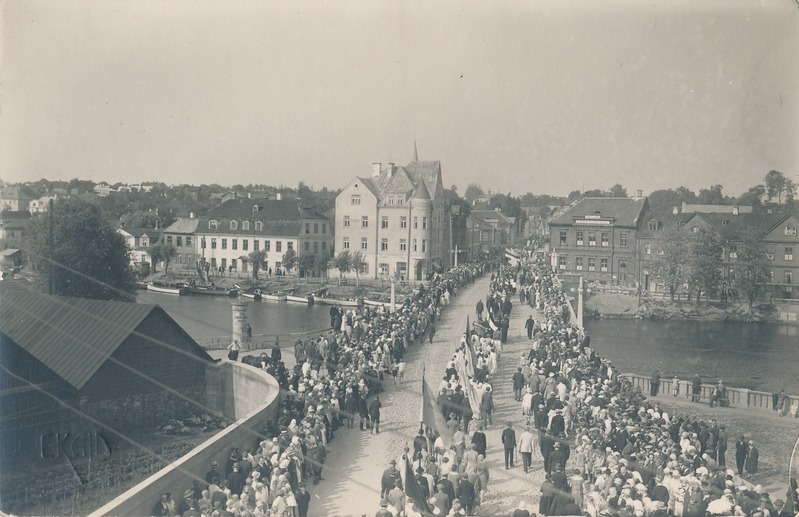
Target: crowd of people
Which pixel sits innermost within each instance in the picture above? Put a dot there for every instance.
(629, 457)
(336, 380)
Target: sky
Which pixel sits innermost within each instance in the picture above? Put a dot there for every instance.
(518, 96)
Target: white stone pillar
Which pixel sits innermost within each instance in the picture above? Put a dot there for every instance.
(241, 328)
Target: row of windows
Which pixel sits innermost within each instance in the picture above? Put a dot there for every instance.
(213, 224)
(384, 222)
(604, 239)
(178, 241)
(787, 256)
(591, 264)
(787, 277)
(256, 245)
(403, 244)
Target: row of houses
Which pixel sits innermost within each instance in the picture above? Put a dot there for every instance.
(610, 240)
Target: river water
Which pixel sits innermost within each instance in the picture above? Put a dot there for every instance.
(762, 356)
(757, 356)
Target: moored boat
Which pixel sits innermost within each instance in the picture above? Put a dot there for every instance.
(165, 290)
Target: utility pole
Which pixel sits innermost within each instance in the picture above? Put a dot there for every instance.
(51, 269)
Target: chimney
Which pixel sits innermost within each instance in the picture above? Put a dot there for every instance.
(278, 196)
(249, 195)
(735, 210)
(157, 224)
(376, 169)
(390, 166)
(675, 210)
(191, 215)
(639, 194)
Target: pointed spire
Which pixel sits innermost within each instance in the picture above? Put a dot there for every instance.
(415, 151)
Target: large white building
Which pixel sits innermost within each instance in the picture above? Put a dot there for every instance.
(398, 218)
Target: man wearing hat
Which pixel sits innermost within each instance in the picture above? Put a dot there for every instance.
(509, 443)
(213, 477)
(390, 476)
(752, 456)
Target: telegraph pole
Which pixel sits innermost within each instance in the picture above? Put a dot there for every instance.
(51, 269)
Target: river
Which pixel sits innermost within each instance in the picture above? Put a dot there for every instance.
(763, 357)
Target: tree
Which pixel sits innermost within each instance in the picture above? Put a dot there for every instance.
(168, 252)
(154, 251)
(778, 186)
(670, 247)
(357, 261)
(306, 264)
(617, 190)
(711, 196)
(89, 258)
(342, 262)
(289, 259)
(753, 197)
(474, 191)
(321, 265)
(751, 266)
(256, 258)
(705, 263)
(139, 219)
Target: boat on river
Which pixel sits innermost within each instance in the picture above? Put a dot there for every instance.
(275, 297)
(165, 289)
(213, 291)
(252, 295)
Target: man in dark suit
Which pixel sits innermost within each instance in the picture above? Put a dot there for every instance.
(465, 493)
(389, 479)
(479, 440)
(509, 443)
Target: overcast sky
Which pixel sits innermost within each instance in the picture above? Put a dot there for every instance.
(518, 96)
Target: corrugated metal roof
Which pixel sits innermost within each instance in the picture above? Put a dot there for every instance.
(71, 336)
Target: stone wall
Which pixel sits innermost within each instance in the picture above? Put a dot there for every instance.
(234, 389)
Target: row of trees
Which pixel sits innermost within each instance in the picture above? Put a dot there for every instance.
(697, 259)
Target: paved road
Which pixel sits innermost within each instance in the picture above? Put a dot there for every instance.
(357, 460)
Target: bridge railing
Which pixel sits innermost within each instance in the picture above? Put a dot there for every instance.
(258, 341)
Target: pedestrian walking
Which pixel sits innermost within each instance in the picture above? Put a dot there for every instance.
(741, 448)
(509, 443)
(526, 447)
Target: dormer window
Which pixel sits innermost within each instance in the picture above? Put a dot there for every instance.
(245, 225)
(234, 225)
(255, 209)
(259, 226)
(212, 224)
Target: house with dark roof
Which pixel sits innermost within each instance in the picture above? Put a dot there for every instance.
(597, 238)
(138, 240)
(73, 365)
(398, 219)
(224, 236)
(16, 198)
(504, 225)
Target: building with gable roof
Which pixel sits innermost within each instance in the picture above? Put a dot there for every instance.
(227, 234)
(16, 198)
(597, 238)
(398, 218)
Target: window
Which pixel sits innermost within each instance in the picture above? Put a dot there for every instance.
(235, 244)
(224, 244)
(307, 246)
(771, 277)
(591, 239)
(603, 264)
(224, 263)
(346, 243)
(788, 277)
(403, 245)
(307, 227)
(770, 254)
(179, 241)
(365, 221)
(256, 244)
(415, 248)
(648, 249)
(324, 245)
(788, 252)
(424, 223)
(733, 251)
(383, 244)
(245, 225)
(400, 200)
(355, 199)
(324, 228)
(315, 247)
(561, 262)
(267, 245)
(212, 224)
(415, 222)
(562, 237)
(364, 243)
(605, 241)
(233, 264)
(278, 246)
(403, 222)
(383, 268)
(259, 226)
(578, 263)
(622, 264)
(245, 244)
(623, 239)
(188, 241)
(364, 268)
(202, 243)
(579, 238)
(384, 222)
(695, 229)
(346, 221)
(316, 227)
(790, 231)
(289, 245)
(143, 242)
(424, 245)
(169, 239)
(255, 209)
(234, 225)
(591, 264)
(390, 200)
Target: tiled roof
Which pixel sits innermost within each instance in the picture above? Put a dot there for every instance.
(138, 232)
(733, 226)
(73, 337)
(624, 211)
(17, 192)
(403, 180)
(268, 209)
(183, 225)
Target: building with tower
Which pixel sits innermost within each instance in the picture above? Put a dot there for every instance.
(398, 219)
